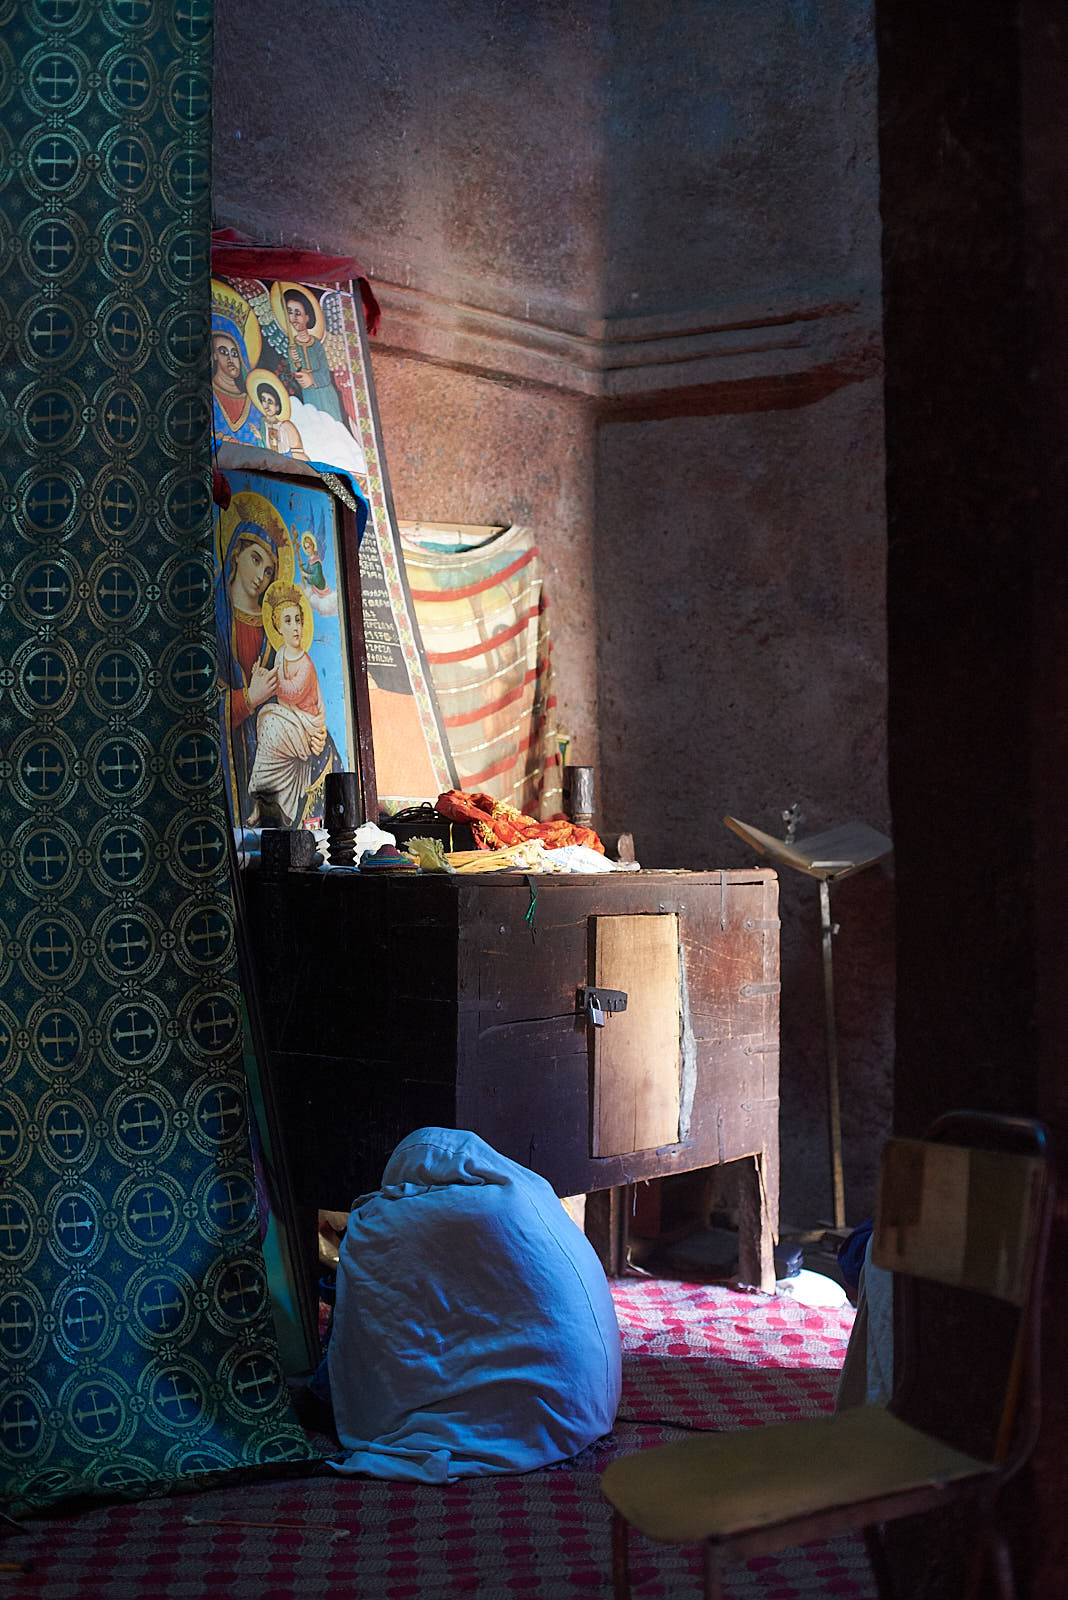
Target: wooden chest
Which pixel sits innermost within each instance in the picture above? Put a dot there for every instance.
(395, 1002)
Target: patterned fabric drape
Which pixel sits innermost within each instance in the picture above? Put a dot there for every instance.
(483, 617)
(135, 1340)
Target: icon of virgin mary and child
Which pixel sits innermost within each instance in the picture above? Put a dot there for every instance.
(236, 343)
(250, 403)
(271, 704)
(290, 405)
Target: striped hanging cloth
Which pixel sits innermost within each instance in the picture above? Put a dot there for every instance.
(481, 610)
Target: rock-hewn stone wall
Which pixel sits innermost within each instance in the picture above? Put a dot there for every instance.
(628, 257)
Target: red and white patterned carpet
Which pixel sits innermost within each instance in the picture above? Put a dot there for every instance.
(695, 1355)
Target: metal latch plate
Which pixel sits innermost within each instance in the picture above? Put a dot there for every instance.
(595, 1002)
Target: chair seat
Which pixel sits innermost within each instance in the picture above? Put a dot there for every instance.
(725, 1485)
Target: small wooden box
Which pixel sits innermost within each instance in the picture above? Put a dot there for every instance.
(391, 1003)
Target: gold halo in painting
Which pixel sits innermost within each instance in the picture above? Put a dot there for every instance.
(277, 594)
(247, 506)
(263, 377)
(230, 311)
(279, 291)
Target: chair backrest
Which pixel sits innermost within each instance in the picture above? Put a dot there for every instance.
(968, 1208)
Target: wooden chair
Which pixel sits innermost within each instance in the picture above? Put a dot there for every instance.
(963, 1214)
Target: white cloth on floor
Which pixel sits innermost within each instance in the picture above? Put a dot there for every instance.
(812, 1289)
(474, 1330)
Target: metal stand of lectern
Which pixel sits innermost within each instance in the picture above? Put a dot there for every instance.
(828, 856)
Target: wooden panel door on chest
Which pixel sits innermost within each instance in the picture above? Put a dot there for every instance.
(391, 1003)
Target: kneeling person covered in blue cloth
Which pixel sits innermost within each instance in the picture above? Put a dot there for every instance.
(474, 1330)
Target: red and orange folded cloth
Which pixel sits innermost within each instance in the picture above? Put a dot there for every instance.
(497, 825)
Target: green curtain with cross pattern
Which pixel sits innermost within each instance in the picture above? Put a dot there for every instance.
(136, 1346)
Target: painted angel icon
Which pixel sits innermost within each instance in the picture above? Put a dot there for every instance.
(319, 594)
